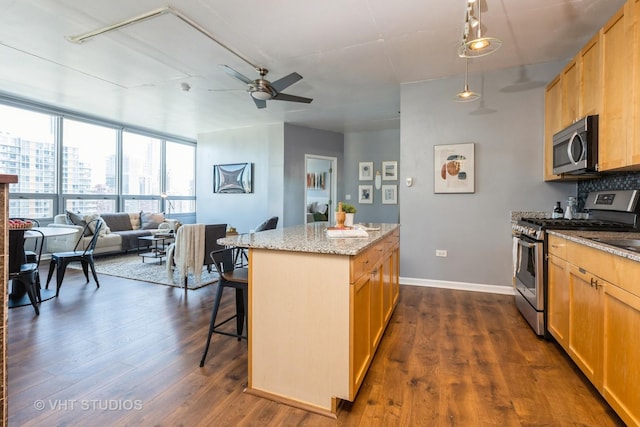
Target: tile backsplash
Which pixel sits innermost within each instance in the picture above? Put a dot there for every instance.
(614, 181)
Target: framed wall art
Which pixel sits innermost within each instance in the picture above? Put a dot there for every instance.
(365, 194)
(454, 169)
(233, 178)
(390, 171)
(365, 171)
(389, 194)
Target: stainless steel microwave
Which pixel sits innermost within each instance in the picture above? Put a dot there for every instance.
(575, 149)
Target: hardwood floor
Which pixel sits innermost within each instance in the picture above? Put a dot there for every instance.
(128, 354)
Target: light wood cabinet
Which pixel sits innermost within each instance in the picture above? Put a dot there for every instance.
(603, 319)
(615, 120)
(634, 142)
(590, 78)
(558, 300)
(377, 316)
(552, 124)
(374, 295)
(621, 381)
(586, 322)
(570, 93)
(362, 349)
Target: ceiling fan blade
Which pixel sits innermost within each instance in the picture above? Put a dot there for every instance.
(293, 98)
(260, 103)
(286, 81)
(237, 75)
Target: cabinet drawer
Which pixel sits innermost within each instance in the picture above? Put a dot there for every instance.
(557, 246)
(610, 267)
(365, 262)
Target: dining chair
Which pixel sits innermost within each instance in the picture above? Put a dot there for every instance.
(212, 232)
(60, 260)
(268, 224)
(242, 260)
(24, 275)
(32, 254)
(230, 277)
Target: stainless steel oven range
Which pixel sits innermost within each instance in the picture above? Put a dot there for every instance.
(608, 211)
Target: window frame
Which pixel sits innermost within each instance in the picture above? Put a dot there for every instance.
(59, 199)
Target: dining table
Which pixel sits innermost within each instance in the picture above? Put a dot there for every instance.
(17, 236)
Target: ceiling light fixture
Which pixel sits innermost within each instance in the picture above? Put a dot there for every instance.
(466, 95)
(473, 44)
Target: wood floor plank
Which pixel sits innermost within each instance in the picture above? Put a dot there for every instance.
(447, 358)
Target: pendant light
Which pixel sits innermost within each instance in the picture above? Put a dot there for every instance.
(466, 95)
(473, 44)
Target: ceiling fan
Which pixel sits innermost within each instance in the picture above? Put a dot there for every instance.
(262, 90)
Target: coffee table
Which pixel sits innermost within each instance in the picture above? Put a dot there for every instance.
(154, 246)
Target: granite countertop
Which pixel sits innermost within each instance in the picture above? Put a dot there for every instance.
(584, 237)
(307, 238)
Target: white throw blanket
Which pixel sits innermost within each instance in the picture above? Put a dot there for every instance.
(187, 253)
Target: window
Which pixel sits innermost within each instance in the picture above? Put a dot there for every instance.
(27, 149)
(180, 177)
(27, 142)
(86, 165)
(88, 158)
(141, 164)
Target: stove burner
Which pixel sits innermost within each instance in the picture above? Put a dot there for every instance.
(585, 224)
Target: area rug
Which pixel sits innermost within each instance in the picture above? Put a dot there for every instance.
(131, 266)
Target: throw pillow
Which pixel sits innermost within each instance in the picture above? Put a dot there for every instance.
(92, 225)
(321, 208)
(77, 219)
(150, 221)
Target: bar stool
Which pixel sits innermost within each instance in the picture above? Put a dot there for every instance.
(230, 277)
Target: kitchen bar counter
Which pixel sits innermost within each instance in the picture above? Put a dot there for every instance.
(318, 308)
(307, 238)
(584, 238)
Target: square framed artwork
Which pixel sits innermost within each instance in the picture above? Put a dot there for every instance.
(365, 194)
(454, 168)
(390, 171)
(365, 171)
(233, 178)
(389, 194)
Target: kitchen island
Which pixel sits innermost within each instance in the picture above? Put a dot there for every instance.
(318, 307)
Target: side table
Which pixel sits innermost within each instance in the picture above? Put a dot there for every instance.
(154, 246)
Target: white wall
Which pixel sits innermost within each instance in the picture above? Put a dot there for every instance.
(261, 145)
(473, 228)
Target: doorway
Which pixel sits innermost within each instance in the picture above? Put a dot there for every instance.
(320, 189)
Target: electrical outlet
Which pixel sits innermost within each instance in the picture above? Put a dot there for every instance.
(347, 196)
(441, 252)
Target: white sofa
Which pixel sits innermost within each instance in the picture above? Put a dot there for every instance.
(118, 235)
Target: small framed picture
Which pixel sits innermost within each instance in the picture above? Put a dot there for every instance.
(390, 171)
(454, 168)
(365, 171)
(389, 194)
(365, 194)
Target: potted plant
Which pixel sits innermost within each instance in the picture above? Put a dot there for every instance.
(349, 211)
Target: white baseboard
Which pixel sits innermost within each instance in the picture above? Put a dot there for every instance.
(461, 286)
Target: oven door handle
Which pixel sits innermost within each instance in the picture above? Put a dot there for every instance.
(526, 244)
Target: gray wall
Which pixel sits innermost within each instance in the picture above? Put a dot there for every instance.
(376, 147)
(261, 145)
(473, 228)
(299, 141)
